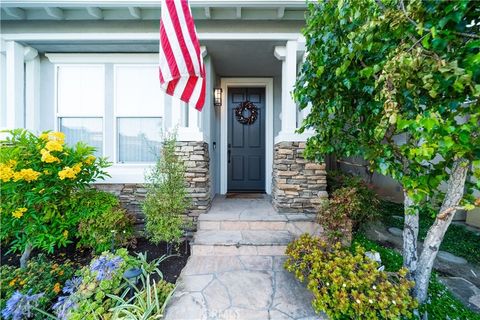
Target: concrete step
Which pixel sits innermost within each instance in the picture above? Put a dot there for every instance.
(244, 242)
(296, 224)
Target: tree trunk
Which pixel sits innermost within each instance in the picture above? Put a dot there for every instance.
(25, 256)
(431, 245)
(410, 236)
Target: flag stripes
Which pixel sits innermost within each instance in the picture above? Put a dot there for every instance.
(181, 69)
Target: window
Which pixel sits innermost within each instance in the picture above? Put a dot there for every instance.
(138, 112)
(80, 104)
(113, 105)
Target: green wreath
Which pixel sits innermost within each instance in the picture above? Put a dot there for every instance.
(250, 108)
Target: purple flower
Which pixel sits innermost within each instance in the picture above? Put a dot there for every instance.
(106, 267)
(63, 307)
(20, 305)
(72, 285)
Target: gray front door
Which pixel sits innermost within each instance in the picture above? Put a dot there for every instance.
(246, 142)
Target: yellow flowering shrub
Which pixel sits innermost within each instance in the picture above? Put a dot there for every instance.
(39, 175)
(349, 285)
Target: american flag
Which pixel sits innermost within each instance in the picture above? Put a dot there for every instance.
(182, 73)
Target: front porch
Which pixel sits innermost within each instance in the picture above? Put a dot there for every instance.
(236, 268)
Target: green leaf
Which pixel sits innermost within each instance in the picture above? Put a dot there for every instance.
(425, 41)
(429, 123)
(464, 137)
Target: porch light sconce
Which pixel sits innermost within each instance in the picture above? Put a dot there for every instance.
(217, 92)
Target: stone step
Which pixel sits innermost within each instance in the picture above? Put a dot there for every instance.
(244, 242)
(297, 224)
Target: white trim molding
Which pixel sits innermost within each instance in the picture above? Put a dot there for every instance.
(126, 173)
(266, 83)
(145, 36)
(88, 58)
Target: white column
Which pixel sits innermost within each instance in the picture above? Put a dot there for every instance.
(15, 73)
(288, 56)
(191, 131)
(3, 84)
(175, 106)
(32, 89)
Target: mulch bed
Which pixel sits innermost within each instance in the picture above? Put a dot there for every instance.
(170, 268)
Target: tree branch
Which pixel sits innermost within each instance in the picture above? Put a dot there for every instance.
(380, 4)
(402, 6)
(468, 35)
(465, 34)
(352, 163)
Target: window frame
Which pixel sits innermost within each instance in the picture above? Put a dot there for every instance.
(121, 173)
(116, 115)
(58, 115)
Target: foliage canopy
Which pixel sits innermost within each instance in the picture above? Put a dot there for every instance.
(397, 84)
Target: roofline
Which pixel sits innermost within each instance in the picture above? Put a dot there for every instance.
(151, 3)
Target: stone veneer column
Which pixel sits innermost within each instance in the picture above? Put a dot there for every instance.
(197, 163)
(298, 185)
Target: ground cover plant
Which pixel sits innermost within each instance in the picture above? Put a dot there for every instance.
(440, 302)
(40, 276)
(39, 175)
(398, 83)
(458, 240)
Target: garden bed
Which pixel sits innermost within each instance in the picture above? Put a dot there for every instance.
(79, 257)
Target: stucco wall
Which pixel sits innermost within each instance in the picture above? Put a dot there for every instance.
(3, 90)
(277, 104)
(47, 95)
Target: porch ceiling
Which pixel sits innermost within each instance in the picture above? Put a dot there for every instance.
(244, 58)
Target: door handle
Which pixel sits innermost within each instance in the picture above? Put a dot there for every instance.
(229, 153)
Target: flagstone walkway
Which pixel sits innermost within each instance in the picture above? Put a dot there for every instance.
(236, 268)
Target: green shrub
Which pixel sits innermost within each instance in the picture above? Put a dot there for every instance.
(39, 276)
(105, 223)
(346, 285)
(354, 204)
(166, 201)
(38, 176)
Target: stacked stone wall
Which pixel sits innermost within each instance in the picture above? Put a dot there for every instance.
(298, 185)
(197, 164)
(130, 196)
(197, 176)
